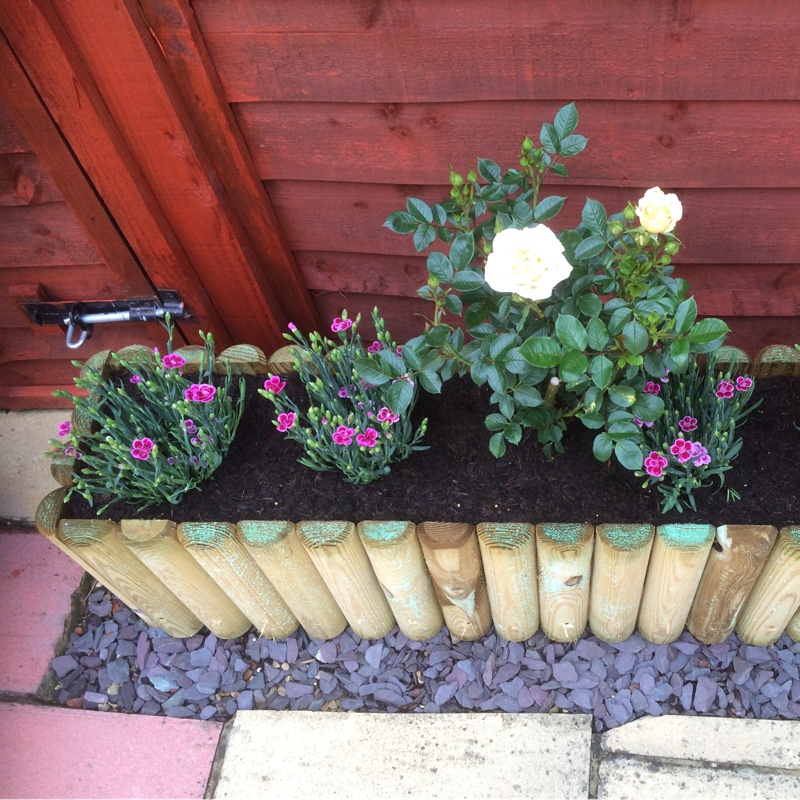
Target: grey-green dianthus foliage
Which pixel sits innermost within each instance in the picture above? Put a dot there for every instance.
(590, 346)
(360, 400)
(158, 434)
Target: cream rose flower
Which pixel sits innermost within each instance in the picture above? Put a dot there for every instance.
(658, 212)
(528, 262)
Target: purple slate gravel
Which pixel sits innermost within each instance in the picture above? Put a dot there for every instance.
(119, 663)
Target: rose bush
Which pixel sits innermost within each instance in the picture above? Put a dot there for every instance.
(659, 212)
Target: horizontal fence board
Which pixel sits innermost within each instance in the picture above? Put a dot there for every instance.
(720, 290)
(12, 140)
(400, 51)
(686, 144)
(25, 182)
(719, 226)
(43, 236)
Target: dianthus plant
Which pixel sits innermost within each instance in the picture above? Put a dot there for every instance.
(359, 401)
(694, 440)
(560, 326)
(157, 433)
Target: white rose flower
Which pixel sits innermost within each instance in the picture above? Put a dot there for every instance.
(658, 212)
(529, 262)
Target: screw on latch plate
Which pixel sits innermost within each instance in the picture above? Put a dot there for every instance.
(84, 315)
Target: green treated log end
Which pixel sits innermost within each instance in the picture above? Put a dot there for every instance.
(626, 537)
(205, 535)
(566, 533)
(686, 536)
(133, 353)
(792, 533)
(49, 513)
(61, 468)
(507, 535)
(85, 532)
(316, 534)
(256, 533)
(379, 533)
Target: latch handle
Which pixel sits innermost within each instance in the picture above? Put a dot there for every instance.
(74, 344)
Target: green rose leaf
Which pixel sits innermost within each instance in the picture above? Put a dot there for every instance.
(424, 236)
(594, 217)
(467, 280)
(654, 365)
(601, 371)
(619, 430)
(589, 248)
(571, 333)
(623, 396)
(439, 214)
(440, 267)
(629, 455)
(548, 208)
(488, 170)
(400, 222)
(399, 396)
(502, 344)
(619, 319)
(549, 138)
(559, 169)
(462, 251)
(648, 407)
(597, 333)
(419, 209)
(393, 361)
(572, 145)
(497, 445)
(685, 315)
(430, 382)
(635, 337)
(453, 304)
(370, 371)
(497, 378)
(603, 447)
(573, 366)
(513, 432)
(566, 120)
(527, 396)
(541, 351)
(592, 420)
(707, 330)
(679, 350)
(522, 214)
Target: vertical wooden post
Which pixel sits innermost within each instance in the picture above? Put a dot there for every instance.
(621, 554)
(735, 561)
(396, 556)
(676, 566)
(280, 555)
(454, 560)
(223, 557)
(340, 557)
(155, 544)
(776, 595)
(793, 628)
(565, 567)
(120, 571)
(509, 561)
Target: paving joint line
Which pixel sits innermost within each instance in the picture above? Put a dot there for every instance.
(725, 766)
(219, 757)
(595, 757)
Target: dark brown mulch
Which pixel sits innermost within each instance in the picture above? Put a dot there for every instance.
(458, 480)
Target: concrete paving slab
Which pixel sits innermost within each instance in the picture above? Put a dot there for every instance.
(302, 754)
(25, 478)
(753, 742)
(629, 778)
(36, 585)
(57, 752)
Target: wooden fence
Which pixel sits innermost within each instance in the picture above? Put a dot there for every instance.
(372, 575)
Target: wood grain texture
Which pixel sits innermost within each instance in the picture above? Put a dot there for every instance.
(508, 551)
(793, 628)
(173, 24)
(280, 555)
(454, 562)
(776, 360)
(658, 144)
(736, 559)
(215, 547)
(12, 139)
(24, 181)
(396, 557)
(621, 555)
(126, 576)
(775, 597)
(364, 52)
(676, 565)
(155, 544)
(564, 554)
(339, 556)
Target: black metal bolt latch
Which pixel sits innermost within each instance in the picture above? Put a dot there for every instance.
(84, 315)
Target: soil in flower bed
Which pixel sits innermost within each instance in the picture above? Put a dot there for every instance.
(115, 662)
(458, 480)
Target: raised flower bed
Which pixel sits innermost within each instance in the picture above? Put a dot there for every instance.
(182, 575)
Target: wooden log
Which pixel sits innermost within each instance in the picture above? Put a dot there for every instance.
(132, 353)
(454, 561)
(155, 544)
(396, 556)
(193, 354)
(280, 555)
(282, 360)
(509, 561)
(679, 556)
(735, 357)
(777, 360)
(776, 595)
(126, 576)
(340, 557)
(224, 558)
(245, 359)
(564, 553)
(735, 561)
(61, 468)
(621, 555)
(793, 628)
